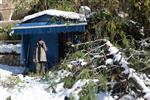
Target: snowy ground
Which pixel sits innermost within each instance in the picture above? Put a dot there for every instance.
(18, 87)
(28, 88)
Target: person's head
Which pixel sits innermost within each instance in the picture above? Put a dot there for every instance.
(40, 42)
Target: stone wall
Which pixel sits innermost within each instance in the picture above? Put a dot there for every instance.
(10, 59)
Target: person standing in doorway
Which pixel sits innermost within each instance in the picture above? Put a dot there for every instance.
(40, 57)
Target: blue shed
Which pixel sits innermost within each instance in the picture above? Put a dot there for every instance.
(54, 27)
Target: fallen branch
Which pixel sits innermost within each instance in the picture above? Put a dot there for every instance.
(117, 57)
(114, 58)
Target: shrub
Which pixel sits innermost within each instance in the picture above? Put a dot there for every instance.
(89, 92)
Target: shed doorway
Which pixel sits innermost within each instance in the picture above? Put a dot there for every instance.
(65, 40)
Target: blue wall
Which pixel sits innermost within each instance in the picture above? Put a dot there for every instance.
(30, 43)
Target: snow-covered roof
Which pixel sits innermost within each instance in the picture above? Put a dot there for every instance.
(58, 13)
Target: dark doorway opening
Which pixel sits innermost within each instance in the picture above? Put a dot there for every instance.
(65, 40)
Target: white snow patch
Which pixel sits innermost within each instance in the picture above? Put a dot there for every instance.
(104, 96)
(4, 74)
(77, 87)
(133, 22)
(117, 57)
(109, 61)
(69, 66)
(97, 56)
(85, 10)
(86, 7)
(113, 50)
(79, 62)
(82, 62)
(140, 81)
(59, 87)
(122, 14)
(4, 93)
(6, 71)
(109, 44)
(9, 48)
(147, 95)
(29, 89)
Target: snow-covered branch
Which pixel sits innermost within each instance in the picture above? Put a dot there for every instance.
(114, 57)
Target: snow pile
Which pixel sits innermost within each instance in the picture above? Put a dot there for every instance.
(9, 48)
(4, 74)
(58, 13)
(6, 71)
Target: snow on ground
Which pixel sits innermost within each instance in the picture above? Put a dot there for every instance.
(29, 88)
(8, 48)
(8, 71)
(35, 88)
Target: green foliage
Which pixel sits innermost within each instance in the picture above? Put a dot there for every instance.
(71, 97)
(103, 79)
(125, 41)
(69, 81)
(3, 36)
(78, 54)
(8, 98)
(46, 77)
(32, 74)
(137, 64)
(140, 11)
(62, 5)
(141, 64)
(108, 24)
(4, 33)
(111, 27)
(34, 6)
(84, 74)
(89, 92)
(52, 81)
